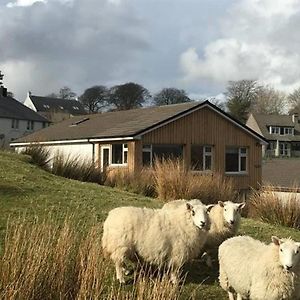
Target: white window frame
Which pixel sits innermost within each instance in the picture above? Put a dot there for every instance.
(109, 147)
(274, 130)
(289, 131)
(207, 153)
(239, 161)
(102, 147)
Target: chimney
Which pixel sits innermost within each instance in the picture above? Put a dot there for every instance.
(28, 93)
(3, 91)
(295, 117)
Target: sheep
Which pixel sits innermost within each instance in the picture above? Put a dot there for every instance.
(225, 220)
(254, 270)
(167, 238)
(224, 223)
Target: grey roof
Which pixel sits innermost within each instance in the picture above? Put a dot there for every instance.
(119, 124)
(263, 121)
(46, 104)
(12, 109)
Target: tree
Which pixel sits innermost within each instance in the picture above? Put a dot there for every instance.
(64, 93)
(218, 102)
(170, 96)
(293, 99)
(269, 101)
(127, 96)
(94, 98)
(240, 96)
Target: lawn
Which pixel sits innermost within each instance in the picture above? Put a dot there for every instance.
(26, 189)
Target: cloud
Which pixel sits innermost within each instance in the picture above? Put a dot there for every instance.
(255, 43)
(23, 3)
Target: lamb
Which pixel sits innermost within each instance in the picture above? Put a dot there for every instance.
(165, 238)
(254, 270)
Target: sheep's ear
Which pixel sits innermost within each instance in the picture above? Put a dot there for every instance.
(241, 205)
(221, 203)
(209, 207)
(276, 240)
(189, 206)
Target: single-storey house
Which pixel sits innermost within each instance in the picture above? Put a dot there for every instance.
(16, 120)
(281, 131)
(206, 138)
(54, 109)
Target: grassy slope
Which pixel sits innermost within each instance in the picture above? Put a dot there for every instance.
(26, 188)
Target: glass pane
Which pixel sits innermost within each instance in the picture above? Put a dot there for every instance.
(105, 158)
(243, 164)
(207, 162)
(232, 160)
(146, 158)
(117, 153)
(125, 153)
(207, 149)
(197, 157)
(244, 150)
(125, 146)
(167, 151)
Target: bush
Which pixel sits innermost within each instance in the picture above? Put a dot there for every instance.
(46, 260)
(140, 182)
(268, 207)
(75, 168)
(173, 181)
(39, 156)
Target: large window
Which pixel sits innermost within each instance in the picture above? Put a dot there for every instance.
(119, 154)
(201, 157)
(236, 160)
(281, 130)
(15, 124)
(161, 151)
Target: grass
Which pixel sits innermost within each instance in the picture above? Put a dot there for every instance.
(28, 192)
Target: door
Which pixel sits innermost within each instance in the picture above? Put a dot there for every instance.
(105, 156)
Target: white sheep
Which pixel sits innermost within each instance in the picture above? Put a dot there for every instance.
(254, 270)
(224, 223)
(167, 238)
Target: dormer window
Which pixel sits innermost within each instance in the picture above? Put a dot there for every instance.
(289, 131)
(61, 107)
(281, 130)
(76, 107)
(46, 106)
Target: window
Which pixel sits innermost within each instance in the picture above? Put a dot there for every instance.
(201, 157)
(46, 106)
(76, 107)
(15, 124)
(61, 107)
(160, 151)
(274, 130)
(289, 131)
(119, 154)
(236, 160)
(30, 125)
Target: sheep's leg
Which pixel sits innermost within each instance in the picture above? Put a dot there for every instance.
(120, 272)
(230, 295)
(118, 258)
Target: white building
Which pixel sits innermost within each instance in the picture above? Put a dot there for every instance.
(17, 120)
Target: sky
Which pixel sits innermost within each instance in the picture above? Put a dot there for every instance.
(195, 45)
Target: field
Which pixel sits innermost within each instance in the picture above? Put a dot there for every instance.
(27, 191)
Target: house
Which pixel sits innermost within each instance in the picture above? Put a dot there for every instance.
(16, 120)
(206, 138)
(54, 109)
(281, 131)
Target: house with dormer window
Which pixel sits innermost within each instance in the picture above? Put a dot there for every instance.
(281, 131)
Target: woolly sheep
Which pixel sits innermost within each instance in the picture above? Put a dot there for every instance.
(167, 238)
(257, 271)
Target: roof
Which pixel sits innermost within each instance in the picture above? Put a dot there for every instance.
(263, 121)
(13, 109)
(46, 104)
(122, 124)
(283, 173)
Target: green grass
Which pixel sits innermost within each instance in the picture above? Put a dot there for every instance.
(26, 189)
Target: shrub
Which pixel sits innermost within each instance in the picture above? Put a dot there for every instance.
(76, 168)
(39, 156)
(174, 181)
(140, 182)
(47, 260)
(268, 207)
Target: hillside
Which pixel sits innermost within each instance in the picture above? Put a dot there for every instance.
(26, 189)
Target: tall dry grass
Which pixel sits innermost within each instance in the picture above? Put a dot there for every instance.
(39, 156)
(48, 260)
(267, 206)
(174, 181)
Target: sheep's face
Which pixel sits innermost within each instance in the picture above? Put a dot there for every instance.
(231, 212)
(199, 214)
(289, 255)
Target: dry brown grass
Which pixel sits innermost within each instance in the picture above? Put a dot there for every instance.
(45, 260)
(268, 207)
(173, 181)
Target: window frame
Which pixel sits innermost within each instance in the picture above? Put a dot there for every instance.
(147, 148)
(15, 124)
(240, 155)
(205, 153)
(109, 147)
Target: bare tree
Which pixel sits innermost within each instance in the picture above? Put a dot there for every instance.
(170, 96)
(219, 103)
(240, 96)
(293, 99)
(269, 101)
(64, 93)
(127, 96)
(94, 98)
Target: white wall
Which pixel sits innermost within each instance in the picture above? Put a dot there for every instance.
(29, 103)
(14, 133)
